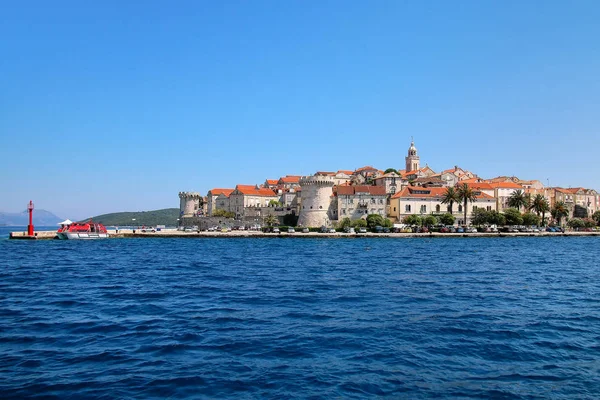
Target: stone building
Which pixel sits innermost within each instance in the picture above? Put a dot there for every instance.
(223, 203)
(316, 208)
(248, 196)
(357, 202)
(415, 200)
(392, 182)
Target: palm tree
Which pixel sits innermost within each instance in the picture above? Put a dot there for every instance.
(271, 220)
(450, 197)
(559, 211)
(517, 199)
(540, 205)
(466, 195)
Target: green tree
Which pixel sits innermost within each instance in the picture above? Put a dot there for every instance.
(387, 171)
(387, 223)
(374, 220)
(274, 203)
(576, 223)
(540, 205)
(480, 217)
(223, 213)
(466, 195)
(589, 222)
(359, 223)
(530, 219)
(345, 223)
(271, 220)
(596, 217)
(517, 199)
(496, 218)
(430, 220)
(560, 210)
(513, 217)
(412, 220)
(450, 196)
(447, 219)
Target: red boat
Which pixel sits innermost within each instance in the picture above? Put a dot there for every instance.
(82, 230)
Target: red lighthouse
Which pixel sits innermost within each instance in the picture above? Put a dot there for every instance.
(30, 226)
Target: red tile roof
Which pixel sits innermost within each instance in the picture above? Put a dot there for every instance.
(253, 191)
(478, 185)
(350, 190)
(290, 179)
(345, 171)
(505, 185)
(430, 192)
(216, 192)
(272, 181)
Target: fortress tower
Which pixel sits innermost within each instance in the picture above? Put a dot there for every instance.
(189, 204)
(412, 160)
(316, 199)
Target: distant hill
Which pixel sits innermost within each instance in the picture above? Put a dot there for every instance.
(40, 218)
(167, 216)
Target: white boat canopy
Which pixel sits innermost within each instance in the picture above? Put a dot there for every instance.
(65, 222)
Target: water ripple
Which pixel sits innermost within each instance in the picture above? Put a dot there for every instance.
(507, 318)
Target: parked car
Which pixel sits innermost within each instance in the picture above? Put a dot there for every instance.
(188, 229)
(460, 230)
(362, 230)
(386, 230)
(305, 230)
(276, 230)
(471, 230)
(148, 229)
(291, 230)
(331, 230)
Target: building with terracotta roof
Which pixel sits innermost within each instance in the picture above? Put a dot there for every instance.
(245, 196)
(392, 182)
(503, 191)
(416, 200)
(356, 202)
(212, 197)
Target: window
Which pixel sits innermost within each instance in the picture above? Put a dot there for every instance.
(393, 190)
(380, 201)
(474, 208)
(489, 208)
(423, 208)
(437, 208)
(394, 208)
(344, 211)
(460, 208)
(407, 208)
(394, 181)
(351, 201)
(372, 200)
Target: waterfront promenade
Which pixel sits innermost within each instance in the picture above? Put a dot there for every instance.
(172, 233)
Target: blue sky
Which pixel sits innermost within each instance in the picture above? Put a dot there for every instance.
(117, 106)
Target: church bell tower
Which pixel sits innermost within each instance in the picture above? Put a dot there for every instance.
(412, 160)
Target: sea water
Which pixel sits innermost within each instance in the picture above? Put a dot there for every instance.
(300, 318)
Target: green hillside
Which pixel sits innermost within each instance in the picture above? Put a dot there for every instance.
(167, 216)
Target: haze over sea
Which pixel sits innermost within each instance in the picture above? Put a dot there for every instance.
(298, 318)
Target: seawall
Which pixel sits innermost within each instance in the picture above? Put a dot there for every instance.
(128, 233)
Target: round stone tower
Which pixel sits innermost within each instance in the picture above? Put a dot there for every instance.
(189, 203)
(316, 199)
